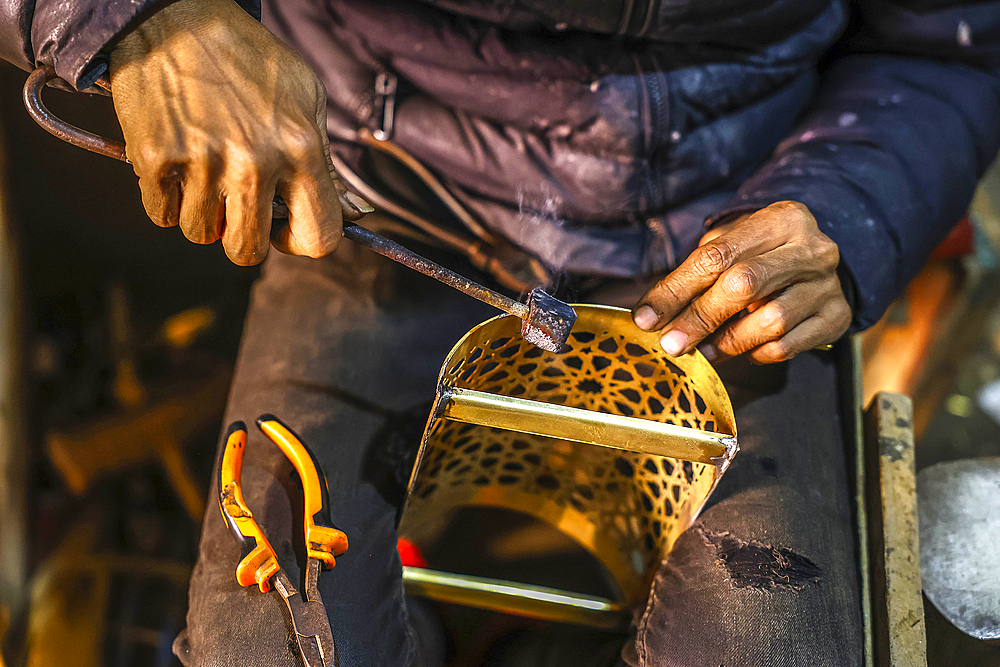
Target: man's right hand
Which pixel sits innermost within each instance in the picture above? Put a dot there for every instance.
(218, 115)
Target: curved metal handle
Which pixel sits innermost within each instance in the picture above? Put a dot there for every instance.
(60, 128)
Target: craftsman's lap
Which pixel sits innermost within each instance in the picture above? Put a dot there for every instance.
(346, 350)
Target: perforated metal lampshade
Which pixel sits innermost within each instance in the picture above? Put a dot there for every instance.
(612, 442)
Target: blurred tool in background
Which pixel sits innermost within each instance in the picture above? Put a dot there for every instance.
(150, 424)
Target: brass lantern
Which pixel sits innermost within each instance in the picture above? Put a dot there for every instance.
(612, 442)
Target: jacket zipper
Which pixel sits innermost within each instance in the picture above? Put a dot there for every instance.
(658, 121)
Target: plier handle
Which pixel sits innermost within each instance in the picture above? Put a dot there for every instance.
(258, 561)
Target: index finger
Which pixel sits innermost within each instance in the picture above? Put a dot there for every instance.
(703, 267)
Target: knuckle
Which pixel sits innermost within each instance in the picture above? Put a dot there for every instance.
(159, 166)
(159, 199)
(730, 343)
(315, 252)
(825, 251)
(795, 216)
(159, 220)
(203, 227)
(318, 242)
(244, 163)
(299, 68)
(774, 352)
(743, 281)
(147, 157)
(245, 259)
(830, 284)
(200, 156)
(835, 293)
(327, 245)
(713, 257)
(846, 316)
(665, 291)
(701, 317)
(300, 142)
(773, 320)
(841, 318)
(799, 208)
(794, 209)
(244, 212)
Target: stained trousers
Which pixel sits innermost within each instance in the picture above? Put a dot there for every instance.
(346, 351)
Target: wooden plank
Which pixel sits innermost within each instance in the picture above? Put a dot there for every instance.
(894, 556)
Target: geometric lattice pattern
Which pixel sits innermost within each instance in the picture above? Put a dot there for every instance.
(626, 508)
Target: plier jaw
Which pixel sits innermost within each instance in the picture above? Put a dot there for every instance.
(308, 616)
(258, 561)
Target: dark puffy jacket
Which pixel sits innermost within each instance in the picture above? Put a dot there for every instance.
(600, 136)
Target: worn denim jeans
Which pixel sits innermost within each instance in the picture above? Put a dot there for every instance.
(346, 350)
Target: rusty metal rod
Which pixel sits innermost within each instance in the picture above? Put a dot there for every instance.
(408, 258)
(59, 128)
(360, 235)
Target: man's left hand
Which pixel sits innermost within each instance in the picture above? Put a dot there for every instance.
(774, 264)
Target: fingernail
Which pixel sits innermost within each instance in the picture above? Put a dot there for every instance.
(674, 342)
(708, 351)
(359, 203)
(645, 318)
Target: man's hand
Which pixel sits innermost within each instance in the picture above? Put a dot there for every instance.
(776, 265)
(218, 115)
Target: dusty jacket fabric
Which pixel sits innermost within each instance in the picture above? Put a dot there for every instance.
(600, 136)
(71, 36)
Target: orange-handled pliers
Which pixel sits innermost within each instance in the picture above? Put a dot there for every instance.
(258, 561)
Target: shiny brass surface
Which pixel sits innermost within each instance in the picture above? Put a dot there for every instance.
(523, 599)
(591, 428)
(514, 427)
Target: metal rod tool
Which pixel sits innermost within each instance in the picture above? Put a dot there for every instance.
(406, 257)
